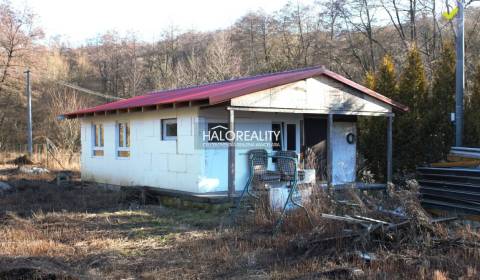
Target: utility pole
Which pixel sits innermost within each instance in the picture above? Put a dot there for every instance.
(28, 92)
(460, 76)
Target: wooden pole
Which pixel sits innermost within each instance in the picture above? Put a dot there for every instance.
(231, 157)
(330, 150)
(389, 148)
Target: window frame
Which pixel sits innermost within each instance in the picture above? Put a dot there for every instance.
(127, 139)
(164, 124)
(100, 149)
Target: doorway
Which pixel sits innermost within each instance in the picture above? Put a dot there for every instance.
(315, 145)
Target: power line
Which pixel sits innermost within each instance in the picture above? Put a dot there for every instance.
(87, 91)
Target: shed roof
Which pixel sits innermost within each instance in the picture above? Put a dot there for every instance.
(223, 91)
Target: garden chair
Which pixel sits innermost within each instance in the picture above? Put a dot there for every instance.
(259, 174)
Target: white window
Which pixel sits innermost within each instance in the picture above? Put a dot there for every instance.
(169, 129)
(97, 132)
(123, 139)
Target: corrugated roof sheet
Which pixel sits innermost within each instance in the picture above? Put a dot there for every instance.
(220, 92)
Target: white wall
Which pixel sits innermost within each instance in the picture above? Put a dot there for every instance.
(216, 160)
(153, 161)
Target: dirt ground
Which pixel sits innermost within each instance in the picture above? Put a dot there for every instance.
(83, 231)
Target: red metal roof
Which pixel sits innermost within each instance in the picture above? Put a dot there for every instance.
(220, 92)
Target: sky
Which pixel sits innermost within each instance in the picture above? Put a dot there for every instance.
(78, 20)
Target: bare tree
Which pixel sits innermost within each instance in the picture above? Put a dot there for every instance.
(221, 61)
(18, 35)
(65, 134)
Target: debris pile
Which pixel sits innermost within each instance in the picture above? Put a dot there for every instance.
(385, 223)
(33, 170)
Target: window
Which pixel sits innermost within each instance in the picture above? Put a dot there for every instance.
(97, 132)
(217, 132)
(123, 137)
(169, 129)
(291, 137)
(277, 136)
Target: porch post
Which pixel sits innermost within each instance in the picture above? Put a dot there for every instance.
(330, 150)
(231, 157)
(389, 148)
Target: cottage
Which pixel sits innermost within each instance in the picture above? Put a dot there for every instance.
(196, 139)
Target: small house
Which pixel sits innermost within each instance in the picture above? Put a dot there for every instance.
(196, 139)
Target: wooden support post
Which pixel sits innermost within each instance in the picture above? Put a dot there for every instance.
(330, 149)
(389, 148)
(231, 157)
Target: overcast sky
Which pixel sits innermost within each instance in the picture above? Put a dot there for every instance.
(78, 20)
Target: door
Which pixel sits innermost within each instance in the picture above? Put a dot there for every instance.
(315, 146)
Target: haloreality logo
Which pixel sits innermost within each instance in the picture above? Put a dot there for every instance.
(219, 135)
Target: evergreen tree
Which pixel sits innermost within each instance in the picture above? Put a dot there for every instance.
(438, 128)
(385, 80)
(472, 113)
(374, 130)
(408, 146)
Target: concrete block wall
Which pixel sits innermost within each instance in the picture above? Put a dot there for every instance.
(170, 164)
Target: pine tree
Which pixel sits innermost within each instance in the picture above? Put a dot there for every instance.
(374, 130)
(472, 113)
(407, 142)
(437, 127)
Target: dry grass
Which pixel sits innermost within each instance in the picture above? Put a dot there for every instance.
(55, 160)
(85, 232)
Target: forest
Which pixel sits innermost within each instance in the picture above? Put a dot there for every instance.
(402, 49)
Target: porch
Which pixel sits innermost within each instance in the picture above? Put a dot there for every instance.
(330, 135)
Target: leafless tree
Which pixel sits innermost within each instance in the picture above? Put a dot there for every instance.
(18, 35)
(221, 61)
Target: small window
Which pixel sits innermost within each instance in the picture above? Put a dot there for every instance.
(98, 140)
(123, 137)
(291, 137)
(277, 136)
(217, 132)
(169, 129)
